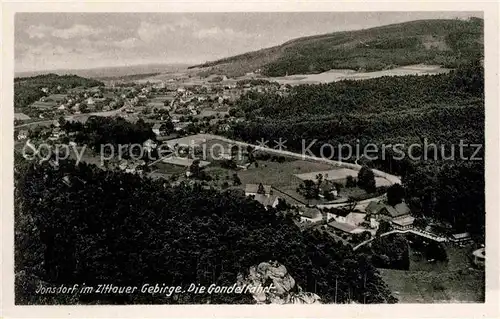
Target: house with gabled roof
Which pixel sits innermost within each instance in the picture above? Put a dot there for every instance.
(399, 214)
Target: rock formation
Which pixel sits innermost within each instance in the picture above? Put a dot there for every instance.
(283, 291)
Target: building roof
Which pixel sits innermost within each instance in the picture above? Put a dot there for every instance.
(461, 236)
(342, 226)
(182, 161)
(405, 221)
(253, 188)
(374, 207)
(21, 116)
(400, 209)
(309, 212)
(265, 200)
(339, 212)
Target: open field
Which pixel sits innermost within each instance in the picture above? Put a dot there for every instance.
(431, 287)
(331, 175)
(339, 75)
(454, 281)
(280, 174)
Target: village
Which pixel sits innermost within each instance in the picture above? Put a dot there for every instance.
(189, 117)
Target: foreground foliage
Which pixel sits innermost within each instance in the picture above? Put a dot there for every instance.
(98, 227)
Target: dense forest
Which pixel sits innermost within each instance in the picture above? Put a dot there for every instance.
(449, 43)
(445, 110)
(80, 224)
(29, 89)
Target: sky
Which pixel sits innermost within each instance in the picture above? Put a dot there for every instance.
(50, 41)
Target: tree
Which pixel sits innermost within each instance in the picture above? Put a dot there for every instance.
(383, 227)
(309, 189)
(420, 222)
(366, 179)
(350, 182)
(61, 121)
(236, 180)
(319, 181)
(395, 194)
(260, 189)
(194, 169)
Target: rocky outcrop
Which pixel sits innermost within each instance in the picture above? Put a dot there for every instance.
(283, 287)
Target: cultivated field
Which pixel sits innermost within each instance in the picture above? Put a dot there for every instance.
(338, 75)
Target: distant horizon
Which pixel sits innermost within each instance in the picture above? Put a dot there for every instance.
(58, 42)
(59, 71)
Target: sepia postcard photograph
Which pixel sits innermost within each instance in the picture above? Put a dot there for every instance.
(312, 158)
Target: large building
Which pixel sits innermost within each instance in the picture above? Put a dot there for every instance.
(262, 193)
(398, 215)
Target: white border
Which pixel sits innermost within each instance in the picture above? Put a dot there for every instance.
(489, 309)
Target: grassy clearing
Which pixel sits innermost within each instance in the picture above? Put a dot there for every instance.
(455, 281)
(280, 174)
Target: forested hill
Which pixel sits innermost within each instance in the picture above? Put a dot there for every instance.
(443, 42)
(80, 224)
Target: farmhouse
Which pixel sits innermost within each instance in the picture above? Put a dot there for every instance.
(346, 228)
(21, 117)
(157, 129)
(310, 215)
(22, 135)
(398, 215)
(271, 200)
(353, 218)
(149, 145)
(459, 238)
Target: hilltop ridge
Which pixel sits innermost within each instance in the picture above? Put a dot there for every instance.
(449, 43)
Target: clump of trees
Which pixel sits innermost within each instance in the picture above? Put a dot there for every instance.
(366, 179)
(395, 194)
(100, 130)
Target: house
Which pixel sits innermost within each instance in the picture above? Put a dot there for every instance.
(354, 218)
(131, 168)
(479, 257)
(157, 129)
(149, 145)
(181, 126)
(254, 189)
(398, 215)
(309, 215)
(337, 214)
(267, 201)
(22, 135)
(123, 165)
(344, 227)
(224, 127)
(460, 238)
(21, 117)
